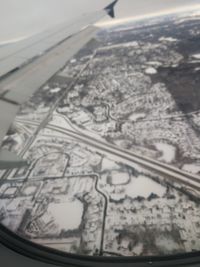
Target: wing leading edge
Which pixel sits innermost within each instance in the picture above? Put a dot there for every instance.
(33, 71)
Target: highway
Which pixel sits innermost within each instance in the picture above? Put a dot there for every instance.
(171, 173)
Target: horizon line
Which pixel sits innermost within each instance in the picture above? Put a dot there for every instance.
(151, 15)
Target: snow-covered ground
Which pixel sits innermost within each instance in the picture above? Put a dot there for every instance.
(168, 244)
(196, 56)
(73, 60)
(150, 70)
(154, 63)
(192, 168)
(136, 116)
(168, 152)
(30, 190)
(108, 164)
(128, 44)
(55, 90)
(168, 39)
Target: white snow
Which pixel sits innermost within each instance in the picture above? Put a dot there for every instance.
(144, 186)
(134, 43)
(73, 60)
(167, 39)
(136, 116)
(167, 243)
(150, 70)
(55, 90)
(67, 215)
(194, 61)
(192, 168)
(60, 121)
(11, 190)
(196, 56)
(30, 190)
(154, 63)
(109, 164)
(119, 177)
(138, 248)
(168, 152)
(174, 65)
(128, 44)
(46, 87)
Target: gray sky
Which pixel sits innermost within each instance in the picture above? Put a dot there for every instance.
(20, 18)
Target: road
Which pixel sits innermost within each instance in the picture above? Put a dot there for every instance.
(172, 173)
(42, 124)
(104, 215)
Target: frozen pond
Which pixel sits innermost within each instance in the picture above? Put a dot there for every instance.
(144, 186)
(119, 178)
(68, 215)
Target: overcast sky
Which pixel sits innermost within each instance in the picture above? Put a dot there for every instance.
(20, 18)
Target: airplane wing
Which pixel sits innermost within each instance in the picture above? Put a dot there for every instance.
(34, 61)
(13, 56)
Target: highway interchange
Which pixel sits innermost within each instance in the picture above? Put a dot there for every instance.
(171, 173)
